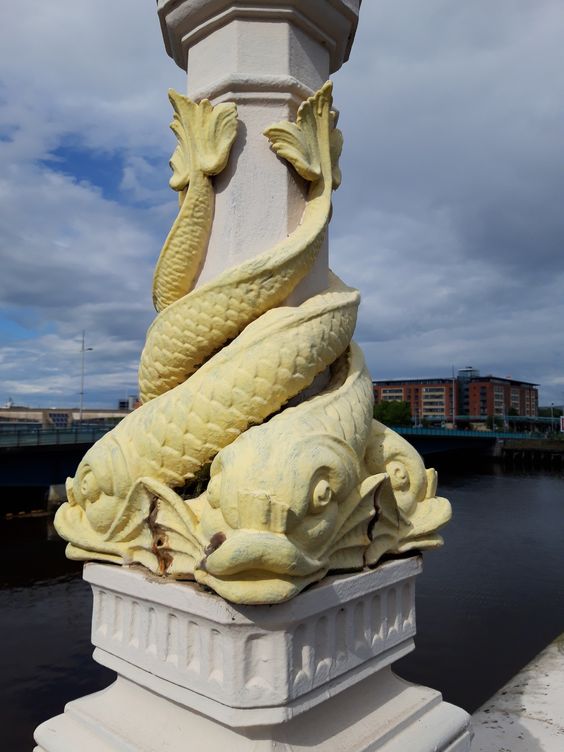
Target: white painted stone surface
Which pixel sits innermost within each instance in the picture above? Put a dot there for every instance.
(380, 714)
(194, 672)
(267, 56)
(197, 673)
(331, 22)
(527, 714)
(227, 654)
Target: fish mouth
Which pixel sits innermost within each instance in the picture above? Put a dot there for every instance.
(258, 588)
(262, 551)
(258, 567)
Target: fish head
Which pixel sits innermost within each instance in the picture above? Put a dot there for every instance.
(409, 510)
(273, 506)
(101, 484)
(409, 481)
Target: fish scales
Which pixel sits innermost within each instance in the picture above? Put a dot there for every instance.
(181, 256)
(200, 393)
(324, 335)
(181, 349)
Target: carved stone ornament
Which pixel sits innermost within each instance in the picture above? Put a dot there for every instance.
(215, 478)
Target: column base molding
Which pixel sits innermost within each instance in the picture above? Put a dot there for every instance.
(381, 713)
(313, 674)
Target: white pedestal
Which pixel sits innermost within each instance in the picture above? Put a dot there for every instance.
(197, 673)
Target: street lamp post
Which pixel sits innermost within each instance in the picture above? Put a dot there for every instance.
(83, 349)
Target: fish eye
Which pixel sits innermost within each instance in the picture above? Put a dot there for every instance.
(322, 495)
(399, 476)
(89, 486)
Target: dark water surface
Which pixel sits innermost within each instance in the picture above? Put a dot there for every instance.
(493, 597)
(487, 602)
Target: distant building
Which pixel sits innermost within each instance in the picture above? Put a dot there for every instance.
(129, 403)
(429, 399)
(470, 394)
(492, 395)
(56, 417)
(465, 376)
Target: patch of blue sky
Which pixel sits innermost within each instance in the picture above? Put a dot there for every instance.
(12, 331)
(102, 169)
(105, 170)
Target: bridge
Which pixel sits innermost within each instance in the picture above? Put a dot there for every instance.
(36, 457)
(452, 440)
(35, 436)
(33, 456)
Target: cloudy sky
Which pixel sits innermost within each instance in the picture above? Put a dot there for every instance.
(450, 218)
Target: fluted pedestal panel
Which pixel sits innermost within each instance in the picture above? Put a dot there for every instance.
(193, 667)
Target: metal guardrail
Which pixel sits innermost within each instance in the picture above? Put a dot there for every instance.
(25, 437)
(38, 436)
(529, 419)
(451, 432)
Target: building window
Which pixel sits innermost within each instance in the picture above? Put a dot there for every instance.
(59, 420)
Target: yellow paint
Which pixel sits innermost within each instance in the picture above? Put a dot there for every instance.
(410, 512)
(286, 501)
(292, 497)
(205, 136)
(175, 348)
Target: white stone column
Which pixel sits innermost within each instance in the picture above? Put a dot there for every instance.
(196, 673)
(267, 56)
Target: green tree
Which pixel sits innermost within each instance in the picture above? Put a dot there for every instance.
(550, 412)
(495, 423)
(393, 413)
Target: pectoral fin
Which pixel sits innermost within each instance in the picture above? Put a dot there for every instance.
(173, 525)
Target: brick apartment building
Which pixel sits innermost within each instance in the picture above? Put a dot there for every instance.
(469, 394)
(491, 395)
(428, 398)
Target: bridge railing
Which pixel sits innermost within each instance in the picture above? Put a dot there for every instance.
(39, 436)
(462, 433)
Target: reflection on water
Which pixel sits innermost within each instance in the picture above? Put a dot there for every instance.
(493, 597)
(486, 603)
(45, 650)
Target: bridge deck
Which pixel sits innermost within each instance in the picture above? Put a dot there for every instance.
(32, 436)
(26, 437)
(463, 433)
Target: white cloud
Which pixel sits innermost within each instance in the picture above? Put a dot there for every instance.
(92, 75)
(453, 187)
(449, 220)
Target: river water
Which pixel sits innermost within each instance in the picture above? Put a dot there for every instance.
(487, 602)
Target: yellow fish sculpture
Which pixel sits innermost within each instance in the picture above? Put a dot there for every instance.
(215, 477)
